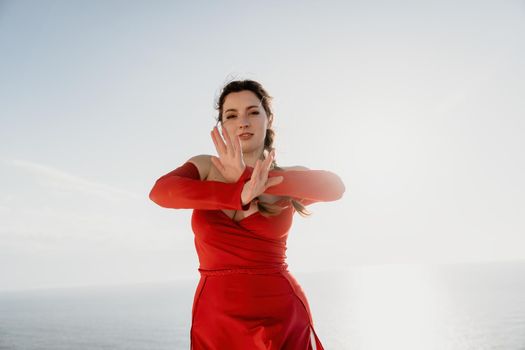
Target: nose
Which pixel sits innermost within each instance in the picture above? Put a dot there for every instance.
(244, 121)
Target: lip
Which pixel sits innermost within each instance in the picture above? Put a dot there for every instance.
(246, 135)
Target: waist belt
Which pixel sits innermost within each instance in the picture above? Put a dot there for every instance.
(248, 270)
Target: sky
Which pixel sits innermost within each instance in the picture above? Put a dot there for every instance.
(418, 106)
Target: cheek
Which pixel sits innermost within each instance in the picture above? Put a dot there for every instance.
(262, 124)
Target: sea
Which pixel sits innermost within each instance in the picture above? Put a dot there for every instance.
(465, 306)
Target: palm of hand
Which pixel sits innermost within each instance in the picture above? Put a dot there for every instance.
(230, 162)
(259, 180)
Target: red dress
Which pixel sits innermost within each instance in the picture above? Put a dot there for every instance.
(246, 297)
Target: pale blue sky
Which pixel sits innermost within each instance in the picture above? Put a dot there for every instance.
(417, 106)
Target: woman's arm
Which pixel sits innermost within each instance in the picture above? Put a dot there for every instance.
(307, 186)
(183, 188)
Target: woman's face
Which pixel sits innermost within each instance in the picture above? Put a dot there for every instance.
(244, 113)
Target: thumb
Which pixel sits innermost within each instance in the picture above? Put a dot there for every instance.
(275, 180)
(217, 162)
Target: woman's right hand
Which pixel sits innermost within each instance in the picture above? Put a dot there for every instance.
(230, 162)
(259, 180)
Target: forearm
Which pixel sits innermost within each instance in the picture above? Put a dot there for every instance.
(309, 185)
(183, 189)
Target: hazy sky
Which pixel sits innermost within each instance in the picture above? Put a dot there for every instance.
(417, 106)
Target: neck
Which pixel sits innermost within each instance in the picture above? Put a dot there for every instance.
(251, 157)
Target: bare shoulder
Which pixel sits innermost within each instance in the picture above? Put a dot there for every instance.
(295, 167)
(203, 163)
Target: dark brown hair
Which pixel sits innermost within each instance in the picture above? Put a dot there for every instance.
(266, 209)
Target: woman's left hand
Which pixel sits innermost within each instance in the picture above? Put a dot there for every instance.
(259, 181)
(230, 162)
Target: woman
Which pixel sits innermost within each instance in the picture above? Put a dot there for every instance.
(243, 205)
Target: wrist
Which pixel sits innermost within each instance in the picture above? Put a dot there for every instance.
(246, 206)
(246, 174)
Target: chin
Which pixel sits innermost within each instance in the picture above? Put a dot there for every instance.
(248, 149)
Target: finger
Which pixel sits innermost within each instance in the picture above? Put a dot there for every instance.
(256, 167)
(239, 145)
(256, 171)
(238, 150)
(270, 159)
(221, 148)
(253, 182)
(266, 167)
(222, 141)
(214, 138)
(212, 133)
(236, 145)
(229, 146)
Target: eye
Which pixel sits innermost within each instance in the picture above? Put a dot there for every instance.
(255, 112)
(230, 116)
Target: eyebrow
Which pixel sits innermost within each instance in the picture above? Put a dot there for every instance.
(233, 109)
